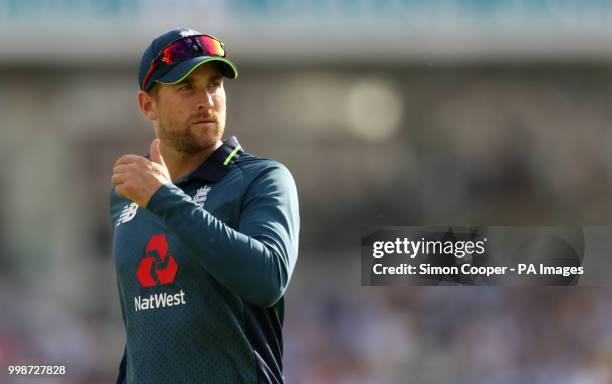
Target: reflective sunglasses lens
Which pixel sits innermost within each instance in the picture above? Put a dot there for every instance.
(212, 46)
(184, 49)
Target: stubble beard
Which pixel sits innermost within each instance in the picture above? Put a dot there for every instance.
(181, 138)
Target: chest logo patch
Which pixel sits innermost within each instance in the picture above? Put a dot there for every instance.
(158, 265)
(201, 194)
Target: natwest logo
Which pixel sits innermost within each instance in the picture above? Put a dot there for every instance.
(157, 266)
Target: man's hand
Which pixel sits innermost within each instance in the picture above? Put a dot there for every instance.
(137, 178)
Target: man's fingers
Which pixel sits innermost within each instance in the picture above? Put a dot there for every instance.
(155, 153)
(118, 178)
(121, 168)
(128, 159)
(120, 189)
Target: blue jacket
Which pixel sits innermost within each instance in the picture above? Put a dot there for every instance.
(202, 271)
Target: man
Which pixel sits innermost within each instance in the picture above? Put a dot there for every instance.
(206, 235)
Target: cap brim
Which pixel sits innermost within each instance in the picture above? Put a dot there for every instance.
(184, 69)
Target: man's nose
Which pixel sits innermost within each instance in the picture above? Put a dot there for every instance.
(205, 99)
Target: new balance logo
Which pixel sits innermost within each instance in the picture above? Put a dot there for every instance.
(127, 214)
(201, 195)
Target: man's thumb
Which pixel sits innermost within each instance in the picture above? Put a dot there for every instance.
(155, 154)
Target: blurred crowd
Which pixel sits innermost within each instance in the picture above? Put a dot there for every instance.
(454, 335)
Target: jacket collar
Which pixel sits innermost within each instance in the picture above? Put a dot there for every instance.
(217, 165)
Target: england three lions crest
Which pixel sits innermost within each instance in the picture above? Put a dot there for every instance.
(201, 195)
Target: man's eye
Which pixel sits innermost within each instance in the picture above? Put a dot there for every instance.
(184, 87)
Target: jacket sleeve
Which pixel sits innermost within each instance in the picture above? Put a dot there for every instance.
(256, 261)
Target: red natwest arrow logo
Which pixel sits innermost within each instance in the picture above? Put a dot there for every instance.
(156, 256)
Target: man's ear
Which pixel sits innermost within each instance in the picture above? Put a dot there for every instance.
(148, 105)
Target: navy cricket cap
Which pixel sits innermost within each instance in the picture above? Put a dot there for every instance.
(176, 71)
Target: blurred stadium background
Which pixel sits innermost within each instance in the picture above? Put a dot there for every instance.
(394, 112)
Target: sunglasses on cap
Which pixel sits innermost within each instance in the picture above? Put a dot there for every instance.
(183, 49)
